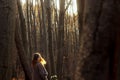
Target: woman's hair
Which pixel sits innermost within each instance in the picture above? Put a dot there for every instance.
(35, 58)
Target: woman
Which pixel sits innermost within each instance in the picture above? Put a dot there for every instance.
(39, 71)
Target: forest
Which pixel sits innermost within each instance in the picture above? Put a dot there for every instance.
(79, 39)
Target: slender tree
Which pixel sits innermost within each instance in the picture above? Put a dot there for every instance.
(50, 44)
(22, 55)
(23, 27)
(80, 9)
(22, 43)
(60, 39)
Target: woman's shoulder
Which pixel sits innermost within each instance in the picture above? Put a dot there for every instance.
(38, 64)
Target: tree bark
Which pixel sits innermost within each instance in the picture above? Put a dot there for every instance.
(29, 29)
(22, 56)
(116, 63)
(23, 27)
(60, 40)
(7, 30)
(97, 40)
(80, 10)
(50, 44)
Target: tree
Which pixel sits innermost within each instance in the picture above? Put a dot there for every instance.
(50, 44)
(60, 39)
(22, 56)
(116, 61)
(97, 40)
(23, 27)
(80, 9)
(7, 30)
(21, 43)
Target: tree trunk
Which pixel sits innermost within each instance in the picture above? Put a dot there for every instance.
(44, 27)
(60, 40)
(29, 29)
(116, 66)
(50, 44)
(22, 56)
(97, 40)
(23, 27)
(80, 9)
(7, 30)
(34, 31)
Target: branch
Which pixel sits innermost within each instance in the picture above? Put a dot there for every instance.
(68, 5)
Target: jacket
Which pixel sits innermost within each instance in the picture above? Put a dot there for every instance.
(39, 72)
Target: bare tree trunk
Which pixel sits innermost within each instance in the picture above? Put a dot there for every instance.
(22, 56)
(116, 56)
(22, 47)
(29, 29)
(7, 30)
(44, 34)
(44, 28)
(116, 62)
(80, 9)
(97, 40)
(50, 44)
(60, 40)
(23, 27)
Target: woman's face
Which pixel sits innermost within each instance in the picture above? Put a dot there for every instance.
(38, 59)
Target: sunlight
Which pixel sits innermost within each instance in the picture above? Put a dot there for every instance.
(71, 9)
(42, 61)
(75, 6)
(24, 1)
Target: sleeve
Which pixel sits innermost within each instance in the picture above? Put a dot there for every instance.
(42, 71)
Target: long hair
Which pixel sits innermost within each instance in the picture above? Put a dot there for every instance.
(35, 58)
(42, 61)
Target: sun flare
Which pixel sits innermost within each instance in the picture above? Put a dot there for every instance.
(42, 61)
